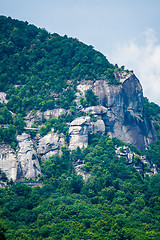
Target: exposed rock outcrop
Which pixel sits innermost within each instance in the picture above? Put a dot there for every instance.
(79, 170)
(27, 157)
(80, 128)
(119, 113)
(38, 116)
(24, 163)
(20, 164)
(50, 145)
(8, 161)
(3, 97)
(79, 133)
(121, 109)
(141, 163)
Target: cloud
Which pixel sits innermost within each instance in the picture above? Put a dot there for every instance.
(144, 59)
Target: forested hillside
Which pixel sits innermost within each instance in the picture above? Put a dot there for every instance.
(40, 71)
(34, 63)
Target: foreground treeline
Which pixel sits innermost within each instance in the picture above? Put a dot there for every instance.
(115, 203)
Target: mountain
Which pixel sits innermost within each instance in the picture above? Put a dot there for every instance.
(79, 130)
(46, 76)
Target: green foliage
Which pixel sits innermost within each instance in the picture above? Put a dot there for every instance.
(153, 153)
(35, 63)
(136, 159)
(91, 98)
(84, 102)
(10, 126)
(115, 203)
(152, 111)
(19, 123)
(8, 135)
(5, 116)
(59, 125)
(3, 176)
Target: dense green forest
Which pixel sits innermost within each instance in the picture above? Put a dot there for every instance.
(116, 202)
(34, 64)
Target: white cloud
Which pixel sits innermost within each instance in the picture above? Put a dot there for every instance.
(144, 60)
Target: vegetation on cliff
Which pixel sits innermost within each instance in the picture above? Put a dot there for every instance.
(115, 202)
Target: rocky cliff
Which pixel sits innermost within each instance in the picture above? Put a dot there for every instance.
(119, 113)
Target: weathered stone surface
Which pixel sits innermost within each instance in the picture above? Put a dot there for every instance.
(97, 127)
(80, 121)
(125, 117)
(50, 145)
(119, 114)
(3, 97)
(81, 89)
(55, 113)
(29, 164)
(96, 110)
(20, 164)
(8, 161)
(80, 128)
(78, 132)
(32, 117)
(24, 163)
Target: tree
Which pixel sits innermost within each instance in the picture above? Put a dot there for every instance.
(91, 98)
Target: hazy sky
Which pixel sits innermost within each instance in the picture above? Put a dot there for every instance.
(127, 32)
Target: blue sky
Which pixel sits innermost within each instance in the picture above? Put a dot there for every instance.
(126, 31)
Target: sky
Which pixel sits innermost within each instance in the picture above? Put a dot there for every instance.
(127, 32)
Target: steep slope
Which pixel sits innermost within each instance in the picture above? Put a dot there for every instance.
(120, 113)
(35, 64)
(63, 109)
(57, 91)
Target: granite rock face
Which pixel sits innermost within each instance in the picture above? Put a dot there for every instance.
(27, 157)
(79, 133)
(31, 118)
(24, 162)
(3, 97)
(8, 161)
(50, 145)
(120, 113)
(80, 129)
(125, 118)
(21, 164)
